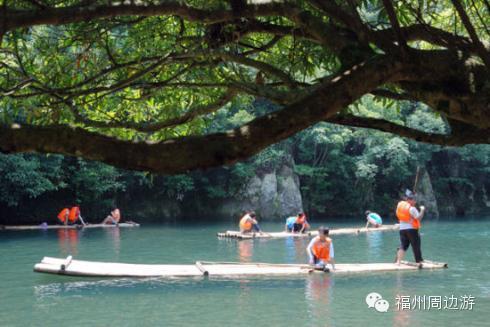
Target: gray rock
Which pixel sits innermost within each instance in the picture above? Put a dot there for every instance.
(425, 194)
(289, 195)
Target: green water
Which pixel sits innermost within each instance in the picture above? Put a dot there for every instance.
(32, 299)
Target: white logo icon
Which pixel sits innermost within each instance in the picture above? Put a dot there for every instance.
(375, 300)
(381, 305)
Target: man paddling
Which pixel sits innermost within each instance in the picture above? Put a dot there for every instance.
(373, 219)
(409, 218)
(248, 223)
(297, 224)
(320, 250)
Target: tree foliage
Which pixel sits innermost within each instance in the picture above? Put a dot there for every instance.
(26, 177)
(341, 171)
(137, 84)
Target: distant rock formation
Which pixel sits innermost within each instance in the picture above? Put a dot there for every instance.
(425, 194)
(273, 195)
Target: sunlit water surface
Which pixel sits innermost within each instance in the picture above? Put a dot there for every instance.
(32, 299)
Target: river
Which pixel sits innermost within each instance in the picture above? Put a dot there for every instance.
(457, 296)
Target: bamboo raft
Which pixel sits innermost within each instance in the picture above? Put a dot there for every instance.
(340, 231)
(33, 227)
(72, 267)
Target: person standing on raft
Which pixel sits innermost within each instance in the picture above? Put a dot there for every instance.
(320, 250)
(373, 218)
(248, 223)
(113, 218)
(409, 218)
(297, 224)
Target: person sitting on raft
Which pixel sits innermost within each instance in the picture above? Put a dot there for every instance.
(320, 250)
(71, 216)
(248, 223)
(297, 224)
(113, 218)
(373, 218)
(63, 216)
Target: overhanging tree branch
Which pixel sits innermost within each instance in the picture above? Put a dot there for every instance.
(73, 14)
(457, 137)
(192, 152)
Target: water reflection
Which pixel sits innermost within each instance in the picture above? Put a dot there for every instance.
(87, 287)
(68, 241)
(245, 250)
(318, 294)
(375, 241)
(296, 250)
(114, 234)
(401, 318)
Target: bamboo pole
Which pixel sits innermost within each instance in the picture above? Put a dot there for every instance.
(201, 268)
(416, 180)
(66, 263)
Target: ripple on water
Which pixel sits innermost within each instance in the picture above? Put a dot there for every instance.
(27, 297)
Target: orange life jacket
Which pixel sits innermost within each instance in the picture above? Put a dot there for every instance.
(245, 223)
(403, 214)
(321, 250)
(74, 214)
(63, 215)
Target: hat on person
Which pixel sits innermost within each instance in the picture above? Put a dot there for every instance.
(409, 195)
(323, 230)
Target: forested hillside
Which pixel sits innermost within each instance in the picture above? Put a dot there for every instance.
(327, 170)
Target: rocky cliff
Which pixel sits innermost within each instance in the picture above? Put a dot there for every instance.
(425, 194)
(273, 195)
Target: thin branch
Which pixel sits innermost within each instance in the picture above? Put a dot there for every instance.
(349, 20)
(482, 21)
(458, 137)
(260, 65)
(20, 86)
(280, 30)
(395, 24)
(191, 114)
(432, 35)
(263, 48)
(393, 95)
(107, 48)
(483, 52)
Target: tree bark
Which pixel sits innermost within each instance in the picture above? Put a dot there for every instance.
(193, 152)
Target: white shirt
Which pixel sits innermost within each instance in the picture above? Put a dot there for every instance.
(415, 214)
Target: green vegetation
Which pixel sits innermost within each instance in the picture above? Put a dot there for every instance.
(144, 85)
(240, 88)
(341, 170)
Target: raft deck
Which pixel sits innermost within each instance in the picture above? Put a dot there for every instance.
(33, 227)
(232, 269)
(340, 231)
